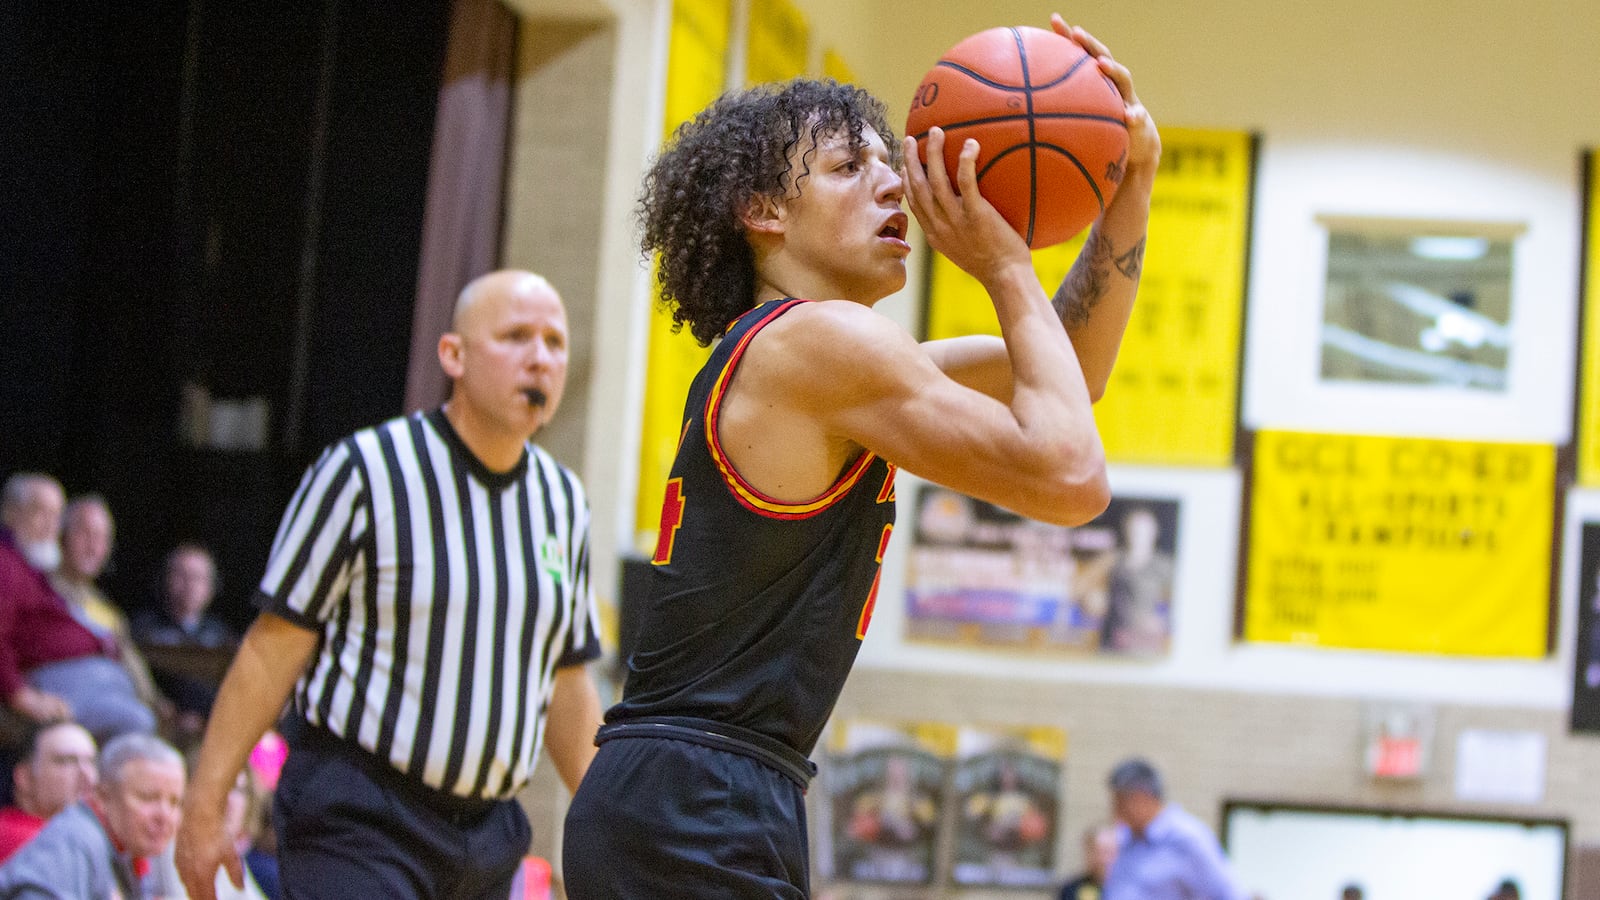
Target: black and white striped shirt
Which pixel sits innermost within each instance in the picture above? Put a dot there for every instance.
(446, 596)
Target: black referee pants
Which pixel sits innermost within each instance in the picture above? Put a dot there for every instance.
(349, 826)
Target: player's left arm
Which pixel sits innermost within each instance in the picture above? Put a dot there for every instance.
(1095, 300)
(573, 718)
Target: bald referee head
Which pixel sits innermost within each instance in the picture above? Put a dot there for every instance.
(506, 352)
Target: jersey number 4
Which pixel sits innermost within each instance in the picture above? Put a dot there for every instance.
(872, 595)
(671, 519)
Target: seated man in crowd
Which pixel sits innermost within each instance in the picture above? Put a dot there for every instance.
(87, 536)
(51, 666)
(103, 847)
(57, 770)
(181, 620)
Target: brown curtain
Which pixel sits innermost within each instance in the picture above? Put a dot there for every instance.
(461, 222)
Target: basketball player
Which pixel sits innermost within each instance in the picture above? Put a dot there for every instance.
(777, 216)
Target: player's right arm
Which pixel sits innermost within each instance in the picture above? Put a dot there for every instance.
(1036, 453)
(274, 653)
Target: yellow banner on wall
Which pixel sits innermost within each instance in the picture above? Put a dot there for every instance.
(779, 41)
(1589, 390)
(835, 67)
(1173, 395)
(1400, 544)
(696, 74)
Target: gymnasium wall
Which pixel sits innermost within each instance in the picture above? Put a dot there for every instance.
(1463, 110)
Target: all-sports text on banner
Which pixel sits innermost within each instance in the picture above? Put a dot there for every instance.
(696, 70)
(1173, 396)
(1589, 351)
(1400, 544)
(778, 43)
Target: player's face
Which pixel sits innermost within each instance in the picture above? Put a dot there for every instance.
(513, 356)
(143, 806)
(842, 220)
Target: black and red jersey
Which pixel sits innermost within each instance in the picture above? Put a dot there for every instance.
(756, 607)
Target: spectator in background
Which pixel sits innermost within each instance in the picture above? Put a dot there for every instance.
(102, 847)
(1099, 851)
(87, 535)
(1165, 853)
(51, 667)
(182, 620)
(56, 771)
(1352, 892)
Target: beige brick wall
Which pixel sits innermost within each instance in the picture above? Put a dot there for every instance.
(555, 179)
(1214, 746)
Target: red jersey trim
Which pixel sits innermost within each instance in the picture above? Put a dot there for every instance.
(747, 495)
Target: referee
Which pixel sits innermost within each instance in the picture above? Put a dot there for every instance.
(427, 601)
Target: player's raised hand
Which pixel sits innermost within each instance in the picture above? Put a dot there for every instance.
(963, 226)
(1144, 141)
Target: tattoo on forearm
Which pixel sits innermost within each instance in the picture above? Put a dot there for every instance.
(1090, 278)
(1132, 262)
(1085, 283)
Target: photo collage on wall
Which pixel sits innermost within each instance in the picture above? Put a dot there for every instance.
(886, 791)
(919, 804)
(982, 576)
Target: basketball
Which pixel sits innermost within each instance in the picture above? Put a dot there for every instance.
(1052, 140)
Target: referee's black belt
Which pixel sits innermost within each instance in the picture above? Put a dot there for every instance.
(719, 736)
(452, 807)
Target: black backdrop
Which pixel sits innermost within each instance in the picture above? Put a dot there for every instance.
(223, 194)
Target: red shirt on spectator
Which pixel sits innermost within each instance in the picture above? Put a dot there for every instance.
(35, 625)
(16, 828)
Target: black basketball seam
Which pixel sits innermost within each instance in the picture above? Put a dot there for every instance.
(1012, 88)
(1069, 73)
(945, 63)
(968, 123)
(1100, 199)
(1033, 156)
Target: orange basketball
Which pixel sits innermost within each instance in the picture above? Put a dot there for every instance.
(1052, 140)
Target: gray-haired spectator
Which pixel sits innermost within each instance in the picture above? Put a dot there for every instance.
(102, 847)
(51, 667)
(1165, 853)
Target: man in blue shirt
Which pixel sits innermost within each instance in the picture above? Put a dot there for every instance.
(1166, 853)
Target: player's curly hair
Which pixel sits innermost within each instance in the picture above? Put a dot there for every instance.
(736, 149)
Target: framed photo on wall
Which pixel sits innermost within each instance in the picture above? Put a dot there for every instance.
(885, 784)
(1005, 786)
(982, 576)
